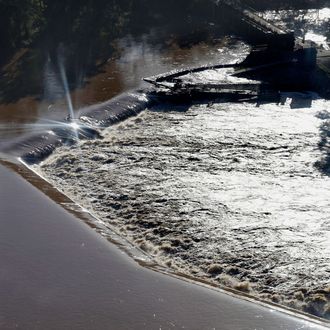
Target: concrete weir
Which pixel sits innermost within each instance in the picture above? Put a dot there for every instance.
(35, 147)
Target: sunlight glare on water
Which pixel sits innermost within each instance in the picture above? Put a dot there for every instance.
(228, 184)
(234, 193)
(324, 14)
(74, 126)
(66, 89)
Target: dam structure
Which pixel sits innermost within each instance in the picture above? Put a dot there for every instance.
(278, 61)
(214, 190)
(311, 62)
(267, 32)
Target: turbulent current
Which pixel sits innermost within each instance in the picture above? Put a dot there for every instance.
(229, 192)
(233, 193)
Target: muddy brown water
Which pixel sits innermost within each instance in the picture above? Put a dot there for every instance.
(134, 60)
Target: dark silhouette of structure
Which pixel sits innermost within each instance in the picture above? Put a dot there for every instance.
(282, 63)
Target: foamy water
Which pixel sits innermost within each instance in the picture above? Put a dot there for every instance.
(234, 193)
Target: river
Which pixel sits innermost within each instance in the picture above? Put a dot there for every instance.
(232, 193)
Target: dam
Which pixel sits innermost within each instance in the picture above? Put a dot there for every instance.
(212, 188)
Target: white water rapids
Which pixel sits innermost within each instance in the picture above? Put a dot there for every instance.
(229, 192)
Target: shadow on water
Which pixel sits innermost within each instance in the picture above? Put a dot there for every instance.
(87, 31)
(300, 100)
(92, 42)
(323, 165)
(87, 36)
